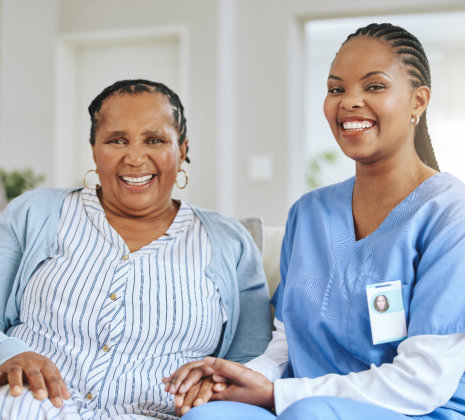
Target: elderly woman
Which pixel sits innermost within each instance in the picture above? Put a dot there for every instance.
(104, 291)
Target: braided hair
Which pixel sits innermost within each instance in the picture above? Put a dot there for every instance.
(133, 87)
(413, 56)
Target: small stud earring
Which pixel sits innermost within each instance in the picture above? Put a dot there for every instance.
(415, 120)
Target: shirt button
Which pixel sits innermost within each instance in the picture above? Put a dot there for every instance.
(113, 296)
(125, 257)
(106, 348)
(89, 396)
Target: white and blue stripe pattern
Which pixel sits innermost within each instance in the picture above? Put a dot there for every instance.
(116, 322)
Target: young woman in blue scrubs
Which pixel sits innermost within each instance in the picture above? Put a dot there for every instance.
(396, 229)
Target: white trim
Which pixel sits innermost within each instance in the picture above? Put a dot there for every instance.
(113, 35)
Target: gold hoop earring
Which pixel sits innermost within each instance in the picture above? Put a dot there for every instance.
(84, 182)
(186, 176)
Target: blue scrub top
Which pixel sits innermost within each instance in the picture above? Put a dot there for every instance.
(325, 270)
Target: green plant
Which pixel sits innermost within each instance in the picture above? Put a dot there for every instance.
(18, 181)
(315, 166)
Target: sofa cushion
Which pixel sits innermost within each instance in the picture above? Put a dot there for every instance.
(272, 239)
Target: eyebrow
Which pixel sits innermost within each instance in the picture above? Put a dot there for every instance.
(369, 74)
(152, 133)
(375, 73)
(116, 133)
(145, 133)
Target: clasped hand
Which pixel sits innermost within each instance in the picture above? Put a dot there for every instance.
(213, 379)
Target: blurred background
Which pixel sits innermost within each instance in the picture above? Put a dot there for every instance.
(251, 74)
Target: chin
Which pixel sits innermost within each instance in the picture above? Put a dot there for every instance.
(360, 154)
(135, 206)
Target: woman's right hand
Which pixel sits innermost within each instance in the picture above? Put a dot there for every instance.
(39, 372)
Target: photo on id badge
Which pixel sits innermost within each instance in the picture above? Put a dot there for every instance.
(386, 310)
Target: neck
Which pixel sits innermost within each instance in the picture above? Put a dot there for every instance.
(138, 230)
(112, 211)
(380, 187)
(385, 181)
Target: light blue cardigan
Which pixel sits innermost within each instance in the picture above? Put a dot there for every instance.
(28, 236)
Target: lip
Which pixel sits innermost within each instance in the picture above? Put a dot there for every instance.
(137, 182)
(355, 132)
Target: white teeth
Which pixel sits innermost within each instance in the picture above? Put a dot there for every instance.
(357, 125)
(137, 181)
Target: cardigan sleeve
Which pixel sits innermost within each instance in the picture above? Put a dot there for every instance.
(237, 270)
(253, 330)
(11, 252)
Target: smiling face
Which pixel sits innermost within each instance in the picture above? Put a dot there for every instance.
(380, 303)
(137, 153)
(370, 102)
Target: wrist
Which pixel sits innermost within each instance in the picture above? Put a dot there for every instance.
(270, 397)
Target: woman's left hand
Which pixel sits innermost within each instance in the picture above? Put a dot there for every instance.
(197, 395)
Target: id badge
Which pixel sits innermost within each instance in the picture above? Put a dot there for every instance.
(386, 309)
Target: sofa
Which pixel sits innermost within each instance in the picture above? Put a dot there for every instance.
(268, 240)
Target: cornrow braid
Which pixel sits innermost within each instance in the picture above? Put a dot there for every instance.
(414, 57)
(133, 87)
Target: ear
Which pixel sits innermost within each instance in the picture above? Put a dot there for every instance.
(183, 150)
(420, 100)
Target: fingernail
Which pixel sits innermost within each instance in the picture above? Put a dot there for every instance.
(198, 401)
(57, 402)
(41, 394)
(16, 390)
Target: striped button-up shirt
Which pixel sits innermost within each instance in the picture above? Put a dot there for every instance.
(116, 322)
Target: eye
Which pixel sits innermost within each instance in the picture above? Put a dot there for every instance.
(375, 87)
(335, 90)
(117, 141)
(154, 141)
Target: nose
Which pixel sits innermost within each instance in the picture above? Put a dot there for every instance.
(135, 155)
(351, 100)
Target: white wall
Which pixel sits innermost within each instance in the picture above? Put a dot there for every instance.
(27, 84)
(244, 90)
